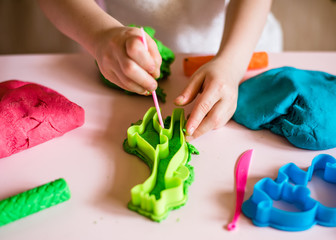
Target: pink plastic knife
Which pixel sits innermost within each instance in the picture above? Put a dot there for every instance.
(156, 102)
(241, 179)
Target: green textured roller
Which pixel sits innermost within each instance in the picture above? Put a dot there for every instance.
(34, 200)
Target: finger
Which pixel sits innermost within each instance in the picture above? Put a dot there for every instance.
(202, 107)
(215, 119)
(134, 73)
(136, 50)
(192, 89)
(122, 81)
(155, 54)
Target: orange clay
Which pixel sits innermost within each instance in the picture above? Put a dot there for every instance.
(191, 64)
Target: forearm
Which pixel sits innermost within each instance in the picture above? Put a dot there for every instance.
(245, 20)
(81, 20)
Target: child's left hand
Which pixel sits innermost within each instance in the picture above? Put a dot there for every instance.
(217, 82)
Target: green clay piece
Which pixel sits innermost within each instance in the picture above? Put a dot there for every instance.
(168, 58)
(33, 200)
(167, 154)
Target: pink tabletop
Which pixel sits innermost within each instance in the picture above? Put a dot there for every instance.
(100, 174)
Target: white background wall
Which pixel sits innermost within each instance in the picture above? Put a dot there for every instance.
(307, 24)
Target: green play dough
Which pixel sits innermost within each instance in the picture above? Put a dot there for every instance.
(167, 154)
(168, 58)
(174, 146)
(34, 200)
(297, 104)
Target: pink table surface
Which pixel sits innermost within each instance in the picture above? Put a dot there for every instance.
(100, 174)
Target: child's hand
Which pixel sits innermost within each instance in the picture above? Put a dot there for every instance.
(217, 84)
(123, 59)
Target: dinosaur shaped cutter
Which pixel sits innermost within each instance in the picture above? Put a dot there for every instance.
(167, 154)
(291, 186)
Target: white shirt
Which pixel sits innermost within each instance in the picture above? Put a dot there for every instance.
(188, 26)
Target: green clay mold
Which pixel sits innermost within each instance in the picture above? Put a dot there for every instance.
(34, 200)
(167, 154)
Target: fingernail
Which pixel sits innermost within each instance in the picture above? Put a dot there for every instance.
(191, 131)
(145, 92)
(153, 87)
(189, 138)
(179, 99)
(157, 74)
(151, 69)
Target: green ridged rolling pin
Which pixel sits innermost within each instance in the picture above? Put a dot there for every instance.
(33, 200)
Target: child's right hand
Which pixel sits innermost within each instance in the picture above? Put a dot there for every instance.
(123, 59)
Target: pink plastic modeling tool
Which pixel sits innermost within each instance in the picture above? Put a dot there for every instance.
(241, 179)
(156, 103)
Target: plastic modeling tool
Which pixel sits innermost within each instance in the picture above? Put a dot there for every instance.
(143, 38)
(156, 103)
(241, 178)
(291, 187)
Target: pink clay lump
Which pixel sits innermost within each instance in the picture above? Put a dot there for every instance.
(31, 114)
